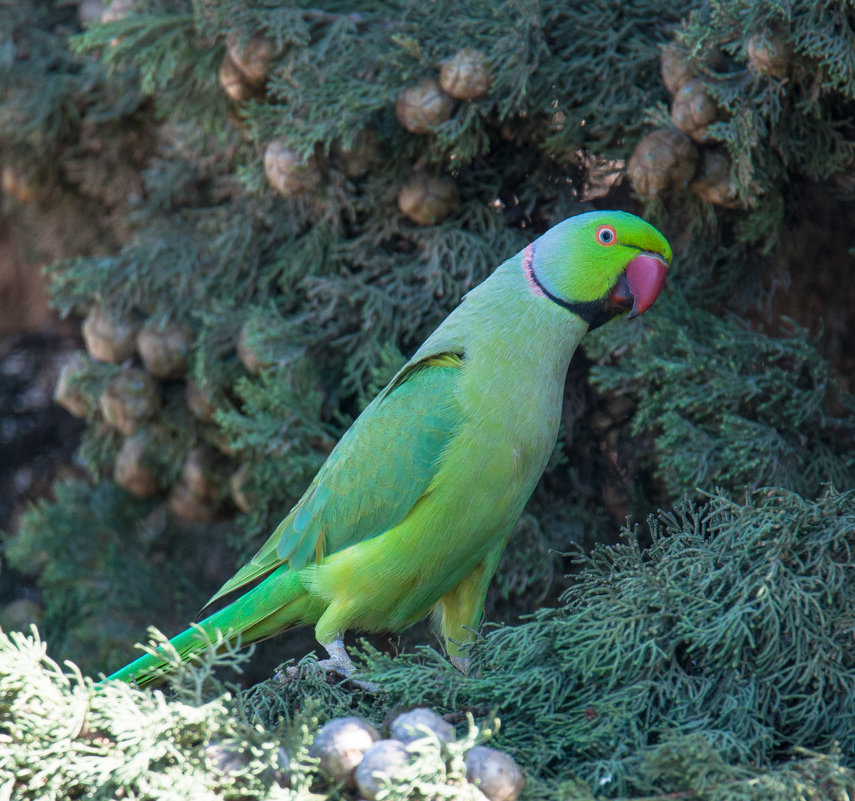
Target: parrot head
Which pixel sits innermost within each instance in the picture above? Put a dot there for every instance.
(599, 264)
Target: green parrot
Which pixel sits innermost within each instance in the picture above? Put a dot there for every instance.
(413, 508)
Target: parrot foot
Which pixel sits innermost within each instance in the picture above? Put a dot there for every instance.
(340, 664)
(461, 663)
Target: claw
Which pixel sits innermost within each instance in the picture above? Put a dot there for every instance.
(461, 663)
(340, 664)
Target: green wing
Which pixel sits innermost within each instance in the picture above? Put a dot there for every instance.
(374, 476)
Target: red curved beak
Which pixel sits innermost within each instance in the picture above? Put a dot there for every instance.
(641, 283)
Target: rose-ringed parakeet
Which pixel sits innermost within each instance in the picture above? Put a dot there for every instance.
(413, 508)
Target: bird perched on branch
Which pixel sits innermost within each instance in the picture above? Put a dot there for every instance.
(413, 508)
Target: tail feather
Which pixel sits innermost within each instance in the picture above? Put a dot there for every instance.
(278, 603)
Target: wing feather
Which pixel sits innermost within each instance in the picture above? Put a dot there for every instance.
(374, 476)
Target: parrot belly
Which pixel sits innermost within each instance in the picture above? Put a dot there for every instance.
(393, 580)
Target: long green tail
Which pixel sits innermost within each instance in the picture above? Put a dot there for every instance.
(278, 603)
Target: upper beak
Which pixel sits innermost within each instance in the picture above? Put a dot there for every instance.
(640, 284)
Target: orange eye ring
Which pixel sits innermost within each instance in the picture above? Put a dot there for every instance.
(606, 235)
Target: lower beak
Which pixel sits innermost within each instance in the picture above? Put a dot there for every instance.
(640, 284)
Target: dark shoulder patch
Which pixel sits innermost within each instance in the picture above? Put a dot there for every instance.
(442, 359)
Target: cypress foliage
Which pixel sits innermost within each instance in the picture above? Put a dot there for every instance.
(717, 649)
(733, 406)
(715, 663)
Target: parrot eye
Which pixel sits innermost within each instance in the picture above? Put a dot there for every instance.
(606, 235)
